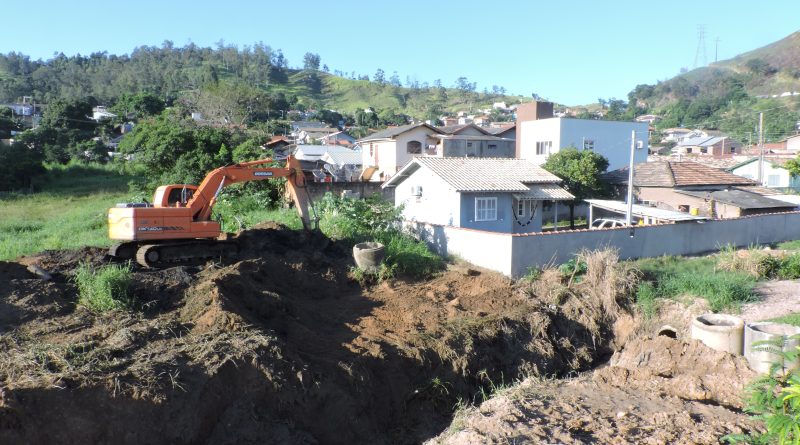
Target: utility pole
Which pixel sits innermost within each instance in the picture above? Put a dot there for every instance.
(629, 212)
(761, 148)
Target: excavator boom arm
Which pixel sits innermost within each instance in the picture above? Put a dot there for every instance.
(206, 194)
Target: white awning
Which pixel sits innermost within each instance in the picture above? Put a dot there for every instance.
(544, 192)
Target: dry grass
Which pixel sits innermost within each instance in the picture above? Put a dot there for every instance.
(755, 262)
(596, 297)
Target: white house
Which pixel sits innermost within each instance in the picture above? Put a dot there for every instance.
(498, 195)
(100, 112)
(538, 139)
(773, 175)
(384, 152)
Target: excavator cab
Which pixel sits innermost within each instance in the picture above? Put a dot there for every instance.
(174, 195)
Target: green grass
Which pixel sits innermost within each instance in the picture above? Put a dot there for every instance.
(671, 277)
(792, 319)
(789, 245)
(104, 289)
(69, 212)
(565, 222)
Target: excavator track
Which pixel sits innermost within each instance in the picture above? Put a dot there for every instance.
(124, 250)
(186, 252)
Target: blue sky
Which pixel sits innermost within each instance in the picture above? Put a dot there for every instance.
(571, 52)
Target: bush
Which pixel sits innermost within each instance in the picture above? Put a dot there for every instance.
(357, 220)
(774, 398)
(789, 268)
(104, 289)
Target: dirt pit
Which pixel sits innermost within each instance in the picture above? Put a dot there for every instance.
(280, 346)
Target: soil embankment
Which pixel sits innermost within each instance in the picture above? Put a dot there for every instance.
(279, 346)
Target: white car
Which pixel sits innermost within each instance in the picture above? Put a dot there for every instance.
(607, 223)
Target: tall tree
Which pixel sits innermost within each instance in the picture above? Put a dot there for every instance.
(581, 172)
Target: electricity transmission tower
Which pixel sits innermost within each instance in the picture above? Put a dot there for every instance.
(701, 46)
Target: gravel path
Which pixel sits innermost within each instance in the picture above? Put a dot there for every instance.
(777, 298)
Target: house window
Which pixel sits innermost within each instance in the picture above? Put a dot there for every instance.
(414, 147)
(543, 147)
(733, 150)
(371, 150)
(521, 208)
(588, 144)
(485, 209)
(773, 180)
(492, 146)
(469, 144)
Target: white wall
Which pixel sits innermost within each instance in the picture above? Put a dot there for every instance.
(750, 171)
(491, 250)
(438, 204)
(793, 143)
(512, 255)
(612, 139)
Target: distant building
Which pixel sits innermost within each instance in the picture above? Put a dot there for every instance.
(696, 189)
(708, 145)
(384, 152)
(539, 135)
(101, 113)
(773, 172)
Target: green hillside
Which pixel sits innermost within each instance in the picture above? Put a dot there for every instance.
(730, 94)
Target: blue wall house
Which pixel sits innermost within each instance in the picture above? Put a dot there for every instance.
(492, 194)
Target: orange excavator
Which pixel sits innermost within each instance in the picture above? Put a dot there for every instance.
(177, 226)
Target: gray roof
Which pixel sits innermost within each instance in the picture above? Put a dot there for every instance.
(315, 152)
(350, 157)
(540, 192)
(479, 174)
(392, 132)
(739, 198)
(498, 130)
(700, 141)
(455, 129)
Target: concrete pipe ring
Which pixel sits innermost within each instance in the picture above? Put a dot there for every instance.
(369, 255)
(778, 338)
(720, 332)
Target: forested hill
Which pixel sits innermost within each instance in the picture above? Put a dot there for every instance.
(235, 74)
(728, 95)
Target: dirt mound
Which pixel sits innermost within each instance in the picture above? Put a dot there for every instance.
(688, 370)
(658, 391)
(278, 346)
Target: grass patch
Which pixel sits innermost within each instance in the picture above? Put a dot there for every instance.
(792, 319)
(671, 277)
(104, 289)
(723, 290)
(69, 211)
(789, 245)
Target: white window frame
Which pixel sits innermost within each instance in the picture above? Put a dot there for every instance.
(521, 208)
(588, 144)
(486, 209)
(543, 148)
(773, 180)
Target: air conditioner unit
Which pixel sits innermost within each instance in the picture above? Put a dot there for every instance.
(416, 190)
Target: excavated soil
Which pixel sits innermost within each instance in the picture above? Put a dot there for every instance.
(655, 391)
(279, 346)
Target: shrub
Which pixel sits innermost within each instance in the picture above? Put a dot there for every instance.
(774, 398)
(789, 268)
(104, 289)
(358, 220)
(409, 256)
